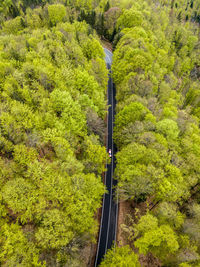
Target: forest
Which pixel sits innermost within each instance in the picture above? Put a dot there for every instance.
(53, 83)
(156, 71)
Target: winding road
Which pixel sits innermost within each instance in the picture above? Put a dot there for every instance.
(108, 227)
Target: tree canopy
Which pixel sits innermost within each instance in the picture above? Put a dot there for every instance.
(52, 77)
(156, 73)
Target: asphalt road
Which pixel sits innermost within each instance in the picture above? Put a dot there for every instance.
(107, 233)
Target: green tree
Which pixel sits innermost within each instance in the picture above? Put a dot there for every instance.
(160, 240)
(21, 197)
(92, 49)
(16, 249)
(168, 128)
(56, 13)
(95, 157)
(120, 256)
(55, 230)
(14, 26)
(169, 213)
(130, 114)
(130, 18)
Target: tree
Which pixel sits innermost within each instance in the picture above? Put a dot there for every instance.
(86, 84)
(160, 240)
(139, 173)
(168, 128)
(135, 183)
(94, 157)
(16, 249)
(95, 124)
(171, 187)
(119, 257)
(111, 16)
(55, 230)
(130, 18)
(92, 49)
(56, 13)
(14, 26)
(21, 197)
(169, 213)
(130, 114)
(23, 155)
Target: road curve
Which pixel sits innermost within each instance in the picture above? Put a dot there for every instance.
(108, 227)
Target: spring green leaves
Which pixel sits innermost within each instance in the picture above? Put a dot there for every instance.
(157, 126)
(53, 83)
(120, 257)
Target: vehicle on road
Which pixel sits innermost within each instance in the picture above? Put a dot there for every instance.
(110, 153)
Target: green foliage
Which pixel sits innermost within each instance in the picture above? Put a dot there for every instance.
(156, 72)
(130, 18)
(52, 73)
(24, 156)
(143, 171)
(20, 196)
(16, 249)
(185, 264)
(56, 13)
(131, 113)
(94, 157)
(159, 240)
(168, 213)
(55, 230)
(92, 49)
(13, 26)
(119, 257)
(53, 83)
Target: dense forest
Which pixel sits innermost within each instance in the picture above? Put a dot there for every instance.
(156, 71)
(53, 82)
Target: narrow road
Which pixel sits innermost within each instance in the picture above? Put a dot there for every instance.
(108, 227)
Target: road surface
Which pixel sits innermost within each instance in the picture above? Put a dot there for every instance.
(107, 233)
